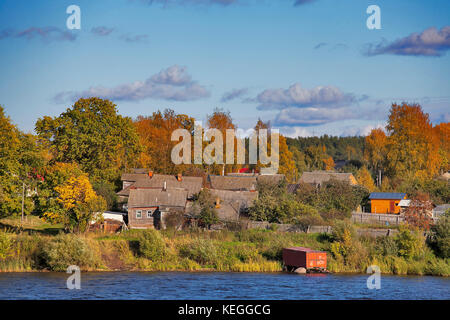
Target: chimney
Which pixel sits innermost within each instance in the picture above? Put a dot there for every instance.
(165, 186)
(150, 173)
(217, 202)
(179, 177)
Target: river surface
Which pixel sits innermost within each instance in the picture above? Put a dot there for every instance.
(220, 286)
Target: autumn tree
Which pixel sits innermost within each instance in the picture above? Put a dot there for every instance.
(155, 133)
(376, 149)
(92, 134)
(413, 147)
(364, 178)
(222, 121)
(317, 158)
(442, 131)
(79, 203)
(419, 212)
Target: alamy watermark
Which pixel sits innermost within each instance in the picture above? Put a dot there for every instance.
(374, 281)
(74, 281)
(235, 149)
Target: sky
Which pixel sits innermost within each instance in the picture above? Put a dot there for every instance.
(311, 67)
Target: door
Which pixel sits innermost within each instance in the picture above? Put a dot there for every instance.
(392, 207)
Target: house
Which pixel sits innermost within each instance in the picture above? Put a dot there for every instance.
(150, 180)
(230, 205)
(440, 210)
(386, 202)
(243, 182)
(317, 178)
(147, 207)
(233, 183)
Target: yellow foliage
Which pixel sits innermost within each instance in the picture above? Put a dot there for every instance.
(77, 191)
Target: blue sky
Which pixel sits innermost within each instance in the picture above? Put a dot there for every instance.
(311, 68)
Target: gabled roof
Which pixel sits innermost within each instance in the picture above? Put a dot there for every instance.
(145, 198)
(270, 178)
(133, 177)
(232, 182)
(245, 198)
(387, 195)
(319, 177)
(124, 192)
(192, 184)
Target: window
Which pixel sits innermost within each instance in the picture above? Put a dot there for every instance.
(149, 213)
(139, 214)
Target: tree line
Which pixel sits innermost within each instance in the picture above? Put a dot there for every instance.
(72, 165)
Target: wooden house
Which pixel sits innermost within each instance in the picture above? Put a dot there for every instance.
(386, 202)
(317, 178)
(230, 205)
(147, 207)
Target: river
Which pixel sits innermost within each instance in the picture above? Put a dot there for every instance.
(217, 285)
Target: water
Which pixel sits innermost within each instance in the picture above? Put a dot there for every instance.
(221, 286)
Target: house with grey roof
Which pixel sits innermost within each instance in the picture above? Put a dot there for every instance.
(147, 207)
(317, 178)
(230, 205)
(440, 210)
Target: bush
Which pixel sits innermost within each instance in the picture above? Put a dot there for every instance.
(202, 251)
(152, 245)
(441, 237)
(343, 230)
(386, 246)
(65, 250)
(6, 246)
(409, 243)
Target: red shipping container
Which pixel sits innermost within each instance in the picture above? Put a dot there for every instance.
(304, 257)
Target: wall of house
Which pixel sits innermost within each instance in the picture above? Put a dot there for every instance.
(144, 222)
(384, 206)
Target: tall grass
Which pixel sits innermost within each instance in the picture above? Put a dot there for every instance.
(197, 250)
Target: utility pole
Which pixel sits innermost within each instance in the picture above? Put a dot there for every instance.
(23, 200)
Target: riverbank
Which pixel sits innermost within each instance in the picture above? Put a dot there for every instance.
(199, 250)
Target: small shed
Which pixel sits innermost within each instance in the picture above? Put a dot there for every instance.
(296, 257)
(386, 202)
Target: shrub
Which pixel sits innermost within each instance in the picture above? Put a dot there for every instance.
(409, 243)
(65, 250)
(152, 245)
(6, 246)
(386, 246)
(202, 251)
(343, 230)
(441, 237)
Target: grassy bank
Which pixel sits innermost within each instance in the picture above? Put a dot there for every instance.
(198, 250)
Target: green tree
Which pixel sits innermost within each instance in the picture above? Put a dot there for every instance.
(441, 236)
(204, 208)
(93, 135)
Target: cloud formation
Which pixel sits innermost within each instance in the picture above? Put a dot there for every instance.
(313, 116)
(430, 43)
(46, 34)
(102, 31)
(234, 94)
(134, 38)
(172, 84)
(299, 97)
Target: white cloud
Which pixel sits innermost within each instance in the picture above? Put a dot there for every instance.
(173, 84)
(297, 96)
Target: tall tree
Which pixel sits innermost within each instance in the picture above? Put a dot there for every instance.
(92, 134)
(413, 148)
(155, 133)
